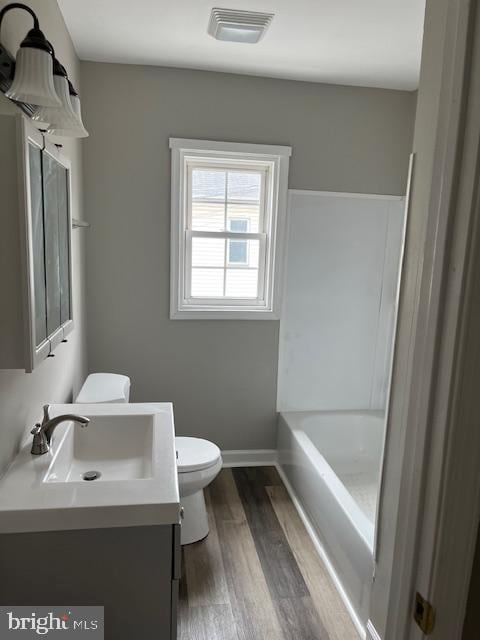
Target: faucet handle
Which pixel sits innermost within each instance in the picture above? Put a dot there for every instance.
(36, 429)
(46, 412)
(40, 444)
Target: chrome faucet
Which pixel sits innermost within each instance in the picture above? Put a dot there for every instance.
(42, 433)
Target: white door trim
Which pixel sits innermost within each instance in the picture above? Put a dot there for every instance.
(449, 523)
(440, 481)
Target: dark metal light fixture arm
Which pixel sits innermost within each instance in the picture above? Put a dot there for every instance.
(19, 5)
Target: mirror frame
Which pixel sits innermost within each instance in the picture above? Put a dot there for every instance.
(36, 353)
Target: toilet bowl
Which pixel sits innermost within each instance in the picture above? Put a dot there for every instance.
(198, 463)
(198, 460)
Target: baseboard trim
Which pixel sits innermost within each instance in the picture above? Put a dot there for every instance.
(249, 457)
(372, 633)
(324, 557)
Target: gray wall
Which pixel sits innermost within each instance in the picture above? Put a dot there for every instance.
(22, 395)
(221, 375)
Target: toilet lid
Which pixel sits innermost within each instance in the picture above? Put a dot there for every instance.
(195, 454)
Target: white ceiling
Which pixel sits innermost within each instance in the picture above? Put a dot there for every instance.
(374, 43)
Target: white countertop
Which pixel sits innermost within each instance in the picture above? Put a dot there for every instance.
(29, 502)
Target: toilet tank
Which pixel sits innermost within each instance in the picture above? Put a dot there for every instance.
(104, 387)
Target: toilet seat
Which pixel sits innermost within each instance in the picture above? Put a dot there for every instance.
(195, 454)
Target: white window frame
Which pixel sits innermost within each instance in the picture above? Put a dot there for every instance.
(275, 160)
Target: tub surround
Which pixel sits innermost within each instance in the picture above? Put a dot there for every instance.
(336, 345)
(336, 331)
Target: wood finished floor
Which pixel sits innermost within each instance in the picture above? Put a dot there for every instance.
(257, 575)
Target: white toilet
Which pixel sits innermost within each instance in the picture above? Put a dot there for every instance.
(198, 460)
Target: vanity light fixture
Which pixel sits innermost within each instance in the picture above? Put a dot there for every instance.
(31, 74)
(62, 113)
(232, 25)
(63, 120)
(38, 83)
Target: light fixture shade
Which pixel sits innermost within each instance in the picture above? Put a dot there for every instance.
(63, 116)
(76, 128)
(82, 132)
(33, 82)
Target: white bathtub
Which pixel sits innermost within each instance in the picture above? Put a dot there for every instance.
(332, 461)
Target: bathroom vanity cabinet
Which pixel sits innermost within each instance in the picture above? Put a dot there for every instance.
(133, 572)
(35, 245)
(113, 542)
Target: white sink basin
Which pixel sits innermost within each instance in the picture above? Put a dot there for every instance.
(114, 447)
(120, 470)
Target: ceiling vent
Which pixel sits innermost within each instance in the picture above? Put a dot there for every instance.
(232, 25)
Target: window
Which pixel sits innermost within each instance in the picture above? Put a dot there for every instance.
(228, 215)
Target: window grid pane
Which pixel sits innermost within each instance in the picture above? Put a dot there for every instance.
(224, 268)
(223, 200)
(209, 197)
(208, 283)
(238, 224)
(208, 216)
(209, 184)
(238, 252)
(241, 283)
(244, 185)
(208, 252)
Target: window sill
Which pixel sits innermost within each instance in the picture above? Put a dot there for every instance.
(223, 314)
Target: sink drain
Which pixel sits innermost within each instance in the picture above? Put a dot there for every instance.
(91, 475)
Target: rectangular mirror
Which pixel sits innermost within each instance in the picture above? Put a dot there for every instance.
(37, 223)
